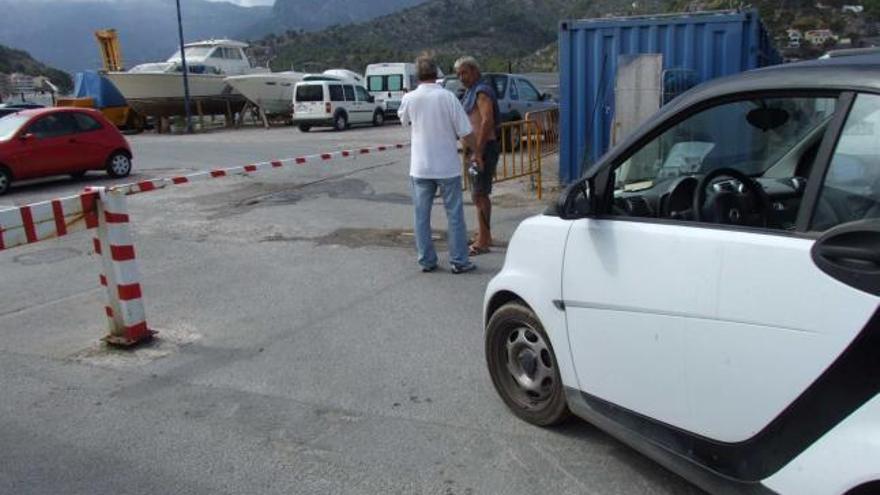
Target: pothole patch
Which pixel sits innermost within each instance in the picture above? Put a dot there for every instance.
(167, 342)
(355, 238)
(46, 256)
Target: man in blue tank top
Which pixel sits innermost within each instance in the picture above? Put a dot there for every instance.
(481, 105)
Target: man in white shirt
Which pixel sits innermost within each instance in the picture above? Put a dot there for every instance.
(438, 121)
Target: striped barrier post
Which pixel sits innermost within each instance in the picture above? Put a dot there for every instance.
(120, 275)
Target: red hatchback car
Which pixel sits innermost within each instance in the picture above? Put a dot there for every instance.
(55, 141)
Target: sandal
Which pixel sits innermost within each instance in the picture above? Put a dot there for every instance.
(475, 250)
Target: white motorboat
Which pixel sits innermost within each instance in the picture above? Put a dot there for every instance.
(272, 92)
(157, 88)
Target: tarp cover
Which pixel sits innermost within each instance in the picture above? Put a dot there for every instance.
(94, 85)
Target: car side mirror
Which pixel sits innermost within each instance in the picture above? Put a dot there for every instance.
(546, 97)
(575, 202)
(371, 99)
(27, 137)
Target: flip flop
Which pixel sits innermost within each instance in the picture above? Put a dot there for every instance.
(475, 250)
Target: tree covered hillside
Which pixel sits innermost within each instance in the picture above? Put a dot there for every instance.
(12, 60)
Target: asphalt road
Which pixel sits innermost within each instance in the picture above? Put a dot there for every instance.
(300, 350)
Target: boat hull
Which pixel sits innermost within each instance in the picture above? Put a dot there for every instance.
(162, 94)
(273, 93)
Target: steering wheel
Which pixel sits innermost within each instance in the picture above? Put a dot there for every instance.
(750, 206)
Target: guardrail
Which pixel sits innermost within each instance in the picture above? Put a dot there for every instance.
(524, 144)
(106, 210)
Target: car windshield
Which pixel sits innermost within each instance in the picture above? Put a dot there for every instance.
(10, 124)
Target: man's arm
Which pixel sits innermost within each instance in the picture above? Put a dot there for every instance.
(485, 131)
(403, 113)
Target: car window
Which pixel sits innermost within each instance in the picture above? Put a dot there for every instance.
(53, 125)
(514, 91)
(395, 83)
(310, 92)
(86, 123)
(218, 53)
(528, 92)
(362, 94)
(376, 83)
(851, 190)
(730, 135)
(714, 166)
(500, 84)
(349, 92)
(336, 93)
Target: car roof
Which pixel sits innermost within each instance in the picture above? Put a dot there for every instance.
(856, 73)
(31, 112)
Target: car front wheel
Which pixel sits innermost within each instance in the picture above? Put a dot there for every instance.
(118, 165)
(523, 367)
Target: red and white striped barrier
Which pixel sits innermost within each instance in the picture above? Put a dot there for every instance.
(154, 184)
(106, 210)
(47, 220)
(121, 277)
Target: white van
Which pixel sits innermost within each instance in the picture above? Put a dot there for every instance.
(335, 99)
(388, 82)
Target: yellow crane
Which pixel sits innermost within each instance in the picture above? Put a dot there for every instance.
(111, 54)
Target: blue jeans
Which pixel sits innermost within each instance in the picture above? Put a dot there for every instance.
(423, 191)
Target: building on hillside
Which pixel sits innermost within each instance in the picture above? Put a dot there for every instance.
(852, 9)
(818, 37)
(794, 38)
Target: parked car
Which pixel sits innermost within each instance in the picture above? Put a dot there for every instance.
(388, 82)
(709, 291)
(327, 100)
(55, 141)
(517, 96)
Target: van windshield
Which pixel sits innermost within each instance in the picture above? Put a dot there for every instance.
(310, 92)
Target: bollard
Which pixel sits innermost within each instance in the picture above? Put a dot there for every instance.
(120, 275)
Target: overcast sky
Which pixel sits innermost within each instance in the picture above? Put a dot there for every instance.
(248, 3)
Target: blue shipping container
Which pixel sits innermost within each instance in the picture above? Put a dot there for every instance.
(703, 45)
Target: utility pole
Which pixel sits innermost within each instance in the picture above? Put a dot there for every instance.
(189, 128)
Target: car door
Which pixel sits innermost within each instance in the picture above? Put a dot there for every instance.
(715, 340)
(355, 109)
(368, 107)
(46, 147)
(90, 142)
(530, 97)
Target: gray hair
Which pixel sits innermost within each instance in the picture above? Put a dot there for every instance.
(467, 61)
(426, 68)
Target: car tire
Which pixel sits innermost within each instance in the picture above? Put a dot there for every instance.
(340, 122)
(378, 118)
(523, 366)
(304, 128)
(118, 165)
(5, 180)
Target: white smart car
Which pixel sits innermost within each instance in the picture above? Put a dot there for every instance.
(708, 292)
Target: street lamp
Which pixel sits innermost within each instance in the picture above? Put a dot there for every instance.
(189, 128)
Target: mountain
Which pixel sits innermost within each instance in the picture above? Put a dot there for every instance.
(12, 60)
(60, 32)
(498, 32)
(310, 15)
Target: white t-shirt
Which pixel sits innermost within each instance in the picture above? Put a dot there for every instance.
(438, 121)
